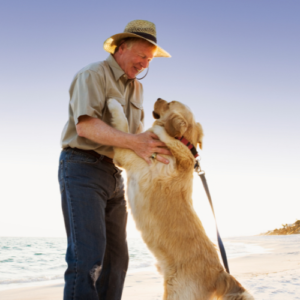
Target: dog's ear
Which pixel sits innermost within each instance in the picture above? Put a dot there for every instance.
(200, 134)
(176, 125)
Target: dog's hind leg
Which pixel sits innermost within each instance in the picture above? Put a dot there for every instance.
(228, 288)
(119, 120)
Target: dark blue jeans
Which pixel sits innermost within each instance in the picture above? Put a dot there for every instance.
(95, 215)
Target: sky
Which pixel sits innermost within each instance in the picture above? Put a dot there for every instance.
(234, 63)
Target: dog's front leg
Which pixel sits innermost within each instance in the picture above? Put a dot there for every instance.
(184, 158)
(119, 120)
(124, 158)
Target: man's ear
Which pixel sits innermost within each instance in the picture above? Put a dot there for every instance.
(176, 125)
(200, 134)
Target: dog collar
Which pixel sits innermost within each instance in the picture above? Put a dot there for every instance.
(192, 148)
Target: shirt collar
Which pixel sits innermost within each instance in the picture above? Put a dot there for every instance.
(116, 69)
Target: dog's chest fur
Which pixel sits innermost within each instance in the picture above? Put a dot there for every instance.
(142, 182)
(153, 191)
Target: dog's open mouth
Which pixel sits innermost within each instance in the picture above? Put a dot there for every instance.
(155, 115)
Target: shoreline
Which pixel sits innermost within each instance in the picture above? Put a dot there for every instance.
(274, 274)
(33, 284)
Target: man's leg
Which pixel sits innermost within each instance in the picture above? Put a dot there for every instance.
(86, 184)
(115, 264)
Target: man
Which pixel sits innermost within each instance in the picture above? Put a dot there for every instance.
(91, 185)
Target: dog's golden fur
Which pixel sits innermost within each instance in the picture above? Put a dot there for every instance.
(160, 198)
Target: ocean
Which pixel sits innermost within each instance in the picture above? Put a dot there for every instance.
(33, 261)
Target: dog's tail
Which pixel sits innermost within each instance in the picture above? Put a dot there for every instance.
(228, 288)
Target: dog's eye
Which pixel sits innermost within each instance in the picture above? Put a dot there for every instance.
(155, 115)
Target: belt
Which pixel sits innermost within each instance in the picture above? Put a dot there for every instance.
(94, 153)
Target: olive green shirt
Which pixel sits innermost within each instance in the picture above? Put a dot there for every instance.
(92, 86)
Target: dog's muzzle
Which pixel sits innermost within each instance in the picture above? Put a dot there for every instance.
(155, 115)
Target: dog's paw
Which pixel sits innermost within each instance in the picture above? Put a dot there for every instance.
(119, 120)
(161, 133)
(114, 106)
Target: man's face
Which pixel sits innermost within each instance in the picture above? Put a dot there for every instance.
(135, 59)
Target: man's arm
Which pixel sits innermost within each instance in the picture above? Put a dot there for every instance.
(143, 144)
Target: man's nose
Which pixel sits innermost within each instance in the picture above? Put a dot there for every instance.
(145, 64)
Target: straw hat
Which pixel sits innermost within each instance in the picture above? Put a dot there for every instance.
(137, 28)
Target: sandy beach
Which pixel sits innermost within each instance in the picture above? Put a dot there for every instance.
(274, 274)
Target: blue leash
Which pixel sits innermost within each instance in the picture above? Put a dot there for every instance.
(221, 245)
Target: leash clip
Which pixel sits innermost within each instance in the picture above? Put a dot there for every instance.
(197, 168)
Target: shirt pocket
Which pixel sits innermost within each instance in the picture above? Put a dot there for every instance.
(136, 116)
(137, 105)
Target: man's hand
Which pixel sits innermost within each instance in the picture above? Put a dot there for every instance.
(143, 144)
(146, 144)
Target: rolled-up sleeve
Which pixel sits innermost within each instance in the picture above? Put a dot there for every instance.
(87, 94)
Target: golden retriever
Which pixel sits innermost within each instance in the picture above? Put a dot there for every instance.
(160, 199)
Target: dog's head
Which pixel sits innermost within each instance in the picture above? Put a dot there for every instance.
(178, 121)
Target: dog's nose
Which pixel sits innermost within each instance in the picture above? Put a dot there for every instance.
(158, 99)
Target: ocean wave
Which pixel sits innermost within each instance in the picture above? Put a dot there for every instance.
(29, 260)
(30, 279)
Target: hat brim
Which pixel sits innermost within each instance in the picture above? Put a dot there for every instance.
(112, 42)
